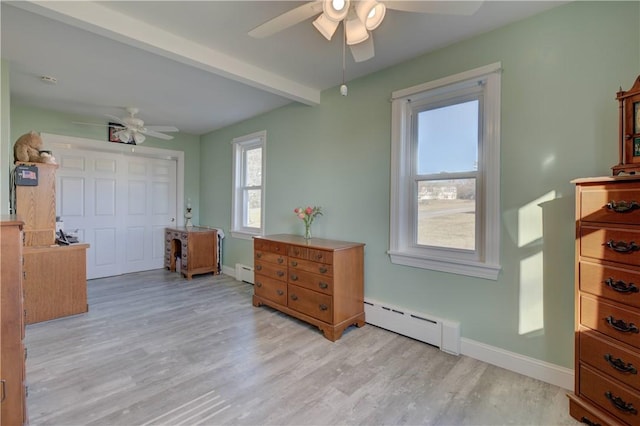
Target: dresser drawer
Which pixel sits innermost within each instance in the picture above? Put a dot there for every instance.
(585, 415)
(310, 302)
(271, 270)
(610, 358)
(612, 244)
(323, 284)
(611, 203)
(267, 256)
(618, 284)
(309, 266)
(612, 320)
(618, 400)
(322, 256)
(268, 245)
(271, 289)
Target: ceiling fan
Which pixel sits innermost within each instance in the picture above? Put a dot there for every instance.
(132, 128)
(359, 18)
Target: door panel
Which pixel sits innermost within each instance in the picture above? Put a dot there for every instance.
(120, 205)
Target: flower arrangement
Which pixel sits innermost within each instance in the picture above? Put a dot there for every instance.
(307, 215)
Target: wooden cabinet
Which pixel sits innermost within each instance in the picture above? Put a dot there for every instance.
(12, 352)
(318, 281)
(607, 338)
(55, 282)
(36, 205)
(197, 249)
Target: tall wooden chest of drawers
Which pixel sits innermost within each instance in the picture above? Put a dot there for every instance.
(317, 281)
(607, 338)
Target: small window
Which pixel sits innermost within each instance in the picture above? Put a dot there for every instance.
(445, 174)
(248, 185)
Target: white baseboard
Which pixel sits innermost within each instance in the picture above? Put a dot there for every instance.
(227, 270)
(531, 367)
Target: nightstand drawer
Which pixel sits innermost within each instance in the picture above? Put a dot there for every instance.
(610, 358)
(611, 244)
(617, 284)
(612, 320)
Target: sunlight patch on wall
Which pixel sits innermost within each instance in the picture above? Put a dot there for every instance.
(531, 294)
(530, 220)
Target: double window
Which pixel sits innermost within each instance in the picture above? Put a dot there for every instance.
(248, 185)
(445, 203)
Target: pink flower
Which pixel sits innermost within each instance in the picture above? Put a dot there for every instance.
(309, 210)
(296, 210)
(301, 215)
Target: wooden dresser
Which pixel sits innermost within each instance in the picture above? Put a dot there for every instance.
(607, 338)
(12, 351)
(317, 281)
(197, 249)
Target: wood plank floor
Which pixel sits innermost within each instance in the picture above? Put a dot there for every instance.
(155, 349)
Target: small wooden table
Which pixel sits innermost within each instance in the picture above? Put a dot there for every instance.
(196, 247)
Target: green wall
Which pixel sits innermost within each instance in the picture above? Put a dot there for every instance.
(25, 119)
(562, 69)
(6, 147)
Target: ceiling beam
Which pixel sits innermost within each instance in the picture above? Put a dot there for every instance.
(112, 24)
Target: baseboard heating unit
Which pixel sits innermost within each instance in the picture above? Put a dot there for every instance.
(244, 273)
(426, 328)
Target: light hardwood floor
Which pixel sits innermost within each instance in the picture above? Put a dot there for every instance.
(155, 349)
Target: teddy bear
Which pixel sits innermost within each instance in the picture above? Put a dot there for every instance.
(28, 148)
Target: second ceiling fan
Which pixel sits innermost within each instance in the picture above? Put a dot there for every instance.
(359, 18)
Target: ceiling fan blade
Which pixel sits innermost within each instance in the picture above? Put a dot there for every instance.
(363, 51)
(90, 124)
(163, 128)
(155, 134)
(116, 119)
(437, 7)
(287, 19)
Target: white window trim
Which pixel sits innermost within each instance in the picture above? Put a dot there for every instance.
(239, 145)
(402, 249)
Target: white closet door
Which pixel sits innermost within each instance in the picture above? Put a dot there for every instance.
(120, 206)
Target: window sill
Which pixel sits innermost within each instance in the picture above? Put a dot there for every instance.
(244, 235)
(453, 266)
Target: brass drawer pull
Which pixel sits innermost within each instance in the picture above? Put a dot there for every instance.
(621, 326)
(323, 285)
(622, 247)
(258, 255)
(323, 307)
(258, 267)
(323, 270)
(620, 286)
(622, 206)
(294, 297)
(280, 292)
(620, 403)
(620, 365)
(280, 260)
(588, 422)
(294, 263)
(280, 273)
(258, 284)
(294, 277)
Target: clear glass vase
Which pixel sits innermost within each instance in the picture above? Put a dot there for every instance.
(307, 231)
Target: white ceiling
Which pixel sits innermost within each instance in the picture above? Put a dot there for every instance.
(192, 64)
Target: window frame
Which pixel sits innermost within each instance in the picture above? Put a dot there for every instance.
(484, 262)
(239, 209)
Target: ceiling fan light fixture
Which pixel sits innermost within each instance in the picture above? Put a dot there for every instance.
(335, 10)
(356, 31)
(138, 138)
(123, 135)
(325, 26)
(371, 13)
